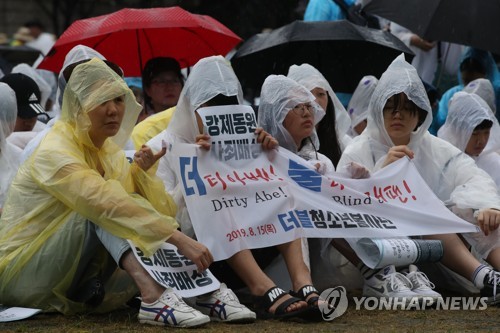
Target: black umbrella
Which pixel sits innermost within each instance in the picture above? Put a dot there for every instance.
(469, 22)
(341, 51)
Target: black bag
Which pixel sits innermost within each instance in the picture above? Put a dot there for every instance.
(357, 16)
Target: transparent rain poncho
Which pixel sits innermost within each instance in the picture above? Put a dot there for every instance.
(484, 89)
(9, 154)
(451, 174)
(279, 95)
(466, 111)
(210, 77)
(76, 54)
(58, 188)
(358, 105)
(311, 78)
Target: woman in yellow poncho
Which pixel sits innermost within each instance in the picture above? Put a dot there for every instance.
(77, 188)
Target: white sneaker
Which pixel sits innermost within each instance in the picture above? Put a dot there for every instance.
(170, 310)
(422, 285)
(223, 305)
(388, 283)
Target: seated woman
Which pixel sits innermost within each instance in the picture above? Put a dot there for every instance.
(472, 127)
(400, 115)
(75, 202)
(9, 154)
(213, 82)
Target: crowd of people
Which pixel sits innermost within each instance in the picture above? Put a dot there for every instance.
(68, 194)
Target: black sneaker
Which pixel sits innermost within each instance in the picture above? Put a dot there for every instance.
(491, 288)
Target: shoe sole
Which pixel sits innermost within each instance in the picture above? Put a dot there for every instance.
(194, 323)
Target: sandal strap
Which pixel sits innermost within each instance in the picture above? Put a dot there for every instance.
(270, 297)
(305, 292)
(281, 309)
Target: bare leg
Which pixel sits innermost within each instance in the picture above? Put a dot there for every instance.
(343, 247)
(150, 289)
(494, 258)
(244, 264)
(456, 256)
(299, 273)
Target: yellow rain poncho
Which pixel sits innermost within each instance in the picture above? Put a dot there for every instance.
(58, 189)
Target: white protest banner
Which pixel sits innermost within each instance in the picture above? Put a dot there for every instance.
(16, 313)
(172, 269)
(251, 200)
(380, 252)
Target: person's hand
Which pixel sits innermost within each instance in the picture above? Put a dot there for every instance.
(203, 140)
(145, 158)
(421, 43)
(267, 141)
(358, 171)
(397, 152)
(319, 166)
(488, 220)
(198, 253)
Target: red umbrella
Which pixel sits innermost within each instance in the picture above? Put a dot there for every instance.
(130, 37)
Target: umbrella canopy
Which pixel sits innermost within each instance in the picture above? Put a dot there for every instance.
(130, 37)
(469, 22)
(341, 51)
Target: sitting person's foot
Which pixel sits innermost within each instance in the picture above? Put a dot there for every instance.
(278, 304)
(307, 293)
(170, 310)
(223, 305)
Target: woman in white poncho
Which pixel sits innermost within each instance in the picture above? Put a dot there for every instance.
(213, 82)
(75, 202)
(9, 154)
(472, 127)
(400, 115)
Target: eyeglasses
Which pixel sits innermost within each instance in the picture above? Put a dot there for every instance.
(299, 109)
(404, 111)
(166, 82)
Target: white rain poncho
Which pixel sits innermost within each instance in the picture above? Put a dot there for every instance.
(358, 105)
(311, 78)
(9, 154)
(279, 95)
(208, 78)
(58, 189)
(484, 89)
(466, 111)
(452, 175)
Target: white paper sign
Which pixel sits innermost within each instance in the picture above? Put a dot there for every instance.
(172, 269)
(15, 313)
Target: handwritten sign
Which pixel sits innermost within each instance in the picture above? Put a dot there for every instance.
(170, 268)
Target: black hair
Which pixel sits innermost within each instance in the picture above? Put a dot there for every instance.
(399, 100)
(327, 134)
(153, 68)
(485, 124)
(222, 100)
(69, 69)
(34, 24)
(472, 65)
